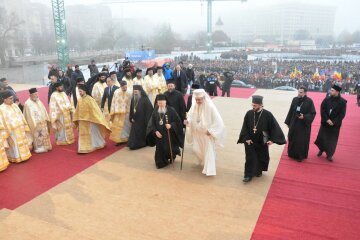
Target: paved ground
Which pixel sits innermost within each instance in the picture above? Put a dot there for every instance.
(126, 197)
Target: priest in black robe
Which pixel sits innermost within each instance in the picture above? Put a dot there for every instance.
(299, 119)
(140, 113)
(175, 99)
(260, 129)
(333, 110)
(165, 123)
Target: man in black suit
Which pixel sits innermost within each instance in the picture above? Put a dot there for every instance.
(180, 79)
(108, 93)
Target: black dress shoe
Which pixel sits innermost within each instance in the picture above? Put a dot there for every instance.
(259, 175)
(329, 158)
(247, 179)
(320, 153)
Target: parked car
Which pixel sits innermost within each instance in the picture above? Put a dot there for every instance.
(241, 84)
(285, 88)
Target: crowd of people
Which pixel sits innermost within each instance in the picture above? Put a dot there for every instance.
(134, 110)
(149, 109)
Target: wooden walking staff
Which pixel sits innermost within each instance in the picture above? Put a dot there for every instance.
(171, 153)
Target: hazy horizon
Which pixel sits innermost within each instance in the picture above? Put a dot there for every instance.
(190, 17)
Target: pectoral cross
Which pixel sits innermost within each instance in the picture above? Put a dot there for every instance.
(254, 129)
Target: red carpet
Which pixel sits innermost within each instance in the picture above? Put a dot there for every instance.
(242, 92)
(317, 199)
(22, 182)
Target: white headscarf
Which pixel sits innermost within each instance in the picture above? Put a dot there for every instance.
(210, 119)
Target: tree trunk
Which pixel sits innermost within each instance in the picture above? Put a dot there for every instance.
(2, 57)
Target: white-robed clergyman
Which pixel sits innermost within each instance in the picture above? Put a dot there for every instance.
(38, 121)
(205, 130)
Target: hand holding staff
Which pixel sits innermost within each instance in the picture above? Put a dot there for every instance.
(168, 131)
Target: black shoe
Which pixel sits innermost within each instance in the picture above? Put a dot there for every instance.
(259, 175)
(247, 179)
(320, 153)
(329, 158)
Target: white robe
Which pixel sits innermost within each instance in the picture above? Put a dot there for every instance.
(202, 119)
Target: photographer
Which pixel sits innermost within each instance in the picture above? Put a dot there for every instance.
(228, 79)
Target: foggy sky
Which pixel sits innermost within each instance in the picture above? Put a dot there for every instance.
(190, 17)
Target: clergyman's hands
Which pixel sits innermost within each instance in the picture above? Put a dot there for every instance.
(269, 143)
(158, 134)
(168, 126)
(330, 122)
(249, 142)
(186, 122)
(301, 116)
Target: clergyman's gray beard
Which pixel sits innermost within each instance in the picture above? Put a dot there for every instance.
(137, 98)
(162, 110)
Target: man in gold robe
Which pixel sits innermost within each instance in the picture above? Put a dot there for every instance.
(61, 110)
(98, 89)
(138, 80)
(120, 109)
(113, 76)
(20, 142)
(91, 123)
(128, 78)
(37, 119)
(152, 85)
(148, 79)
(4, 134)
(160, 78)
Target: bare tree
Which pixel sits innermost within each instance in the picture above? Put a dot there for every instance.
(9, 23)
(164, 39)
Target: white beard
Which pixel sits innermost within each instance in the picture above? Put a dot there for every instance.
(162, 110)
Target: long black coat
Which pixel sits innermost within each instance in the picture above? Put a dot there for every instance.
(257, 154)
(300, 129)
(140, 114)
(162, 152)
(181, 81)
(333, 108)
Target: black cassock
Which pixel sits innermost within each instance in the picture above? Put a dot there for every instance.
(257, 154)
(300, 129)
(139, 120)
(162, 152)
(189, 103)
(333, 108)
(176, 100)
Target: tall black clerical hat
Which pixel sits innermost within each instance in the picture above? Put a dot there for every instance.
(170, 81)
(336, 87)
(32, 90)
(82, 87)
(195, 86)
(161, 97)
(80, 79)
(137, 87)
(57, 84)
(257, 99)
(6, 94)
